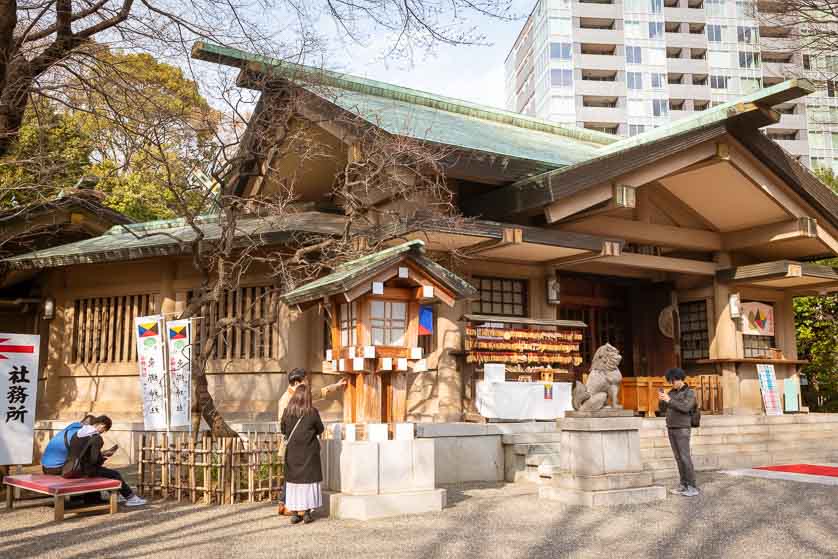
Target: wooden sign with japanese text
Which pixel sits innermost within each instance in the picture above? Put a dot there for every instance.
(151, 360)
(18, 393)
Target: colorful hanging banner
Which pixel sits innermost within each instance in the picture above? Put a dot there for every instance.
(758, 319)
(18, 392)
(768, 387)
(152, 364)
(180, 371)
(426, 320)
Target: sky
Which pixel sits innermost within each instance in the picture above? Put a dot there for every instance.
(473, 73)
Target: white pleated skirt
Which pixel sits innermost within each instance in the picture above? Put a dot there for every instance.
(303, 496)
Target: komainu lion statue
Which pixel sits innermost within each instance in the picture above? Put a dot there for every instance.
(603, 381)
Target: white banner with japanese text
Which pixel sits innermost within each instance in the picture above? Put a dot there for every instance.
(18, 393)
(152, 363)
(180, 371)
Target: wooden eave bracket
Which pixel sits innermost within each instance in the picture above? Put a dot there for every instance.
(511, 236)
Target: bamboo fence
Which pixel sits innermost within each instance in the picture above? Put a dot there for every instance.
(211, 470)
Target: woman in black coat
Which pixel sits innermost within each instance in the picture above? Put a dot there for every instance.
(302, 426)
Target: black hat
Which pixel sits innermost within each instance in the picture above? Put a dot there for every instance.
(297, 375)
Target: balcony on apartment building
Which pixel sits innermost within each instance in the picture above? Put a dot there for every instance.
(685, 35)
(599, 83)
(687, 15)
(598, 30)
(601, 109)
(686, 90)
(792, 117)
(789, 140)
(779, 64)
(687, 65)
(678, 109)
(598, 9)
(600, 61)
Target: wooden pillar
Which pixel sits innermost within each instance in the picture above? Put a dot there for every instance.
(724, 344)
(59, 345)
(168, 297)
(398, 382)
(369, 399)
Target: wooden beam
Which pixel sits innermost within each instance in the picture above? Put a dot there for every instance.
(794, 229)
(668, 165)
(648, 233)
(579, 202)
(661, 263)
(511, 236)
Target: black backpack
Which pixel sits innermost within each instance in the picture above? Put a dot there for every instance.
(695, 416)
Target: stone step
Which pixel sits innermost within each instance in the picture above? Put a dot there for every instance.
(528, 449)
(548, 471)
(631, 496)
(543, 458)
(532, 438)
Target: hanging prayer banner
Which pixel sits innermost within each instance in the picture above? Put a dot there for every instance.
(758, 319)
(180, 371)
(768, 387)
(18, 390)
(150, 358)
(426, 320)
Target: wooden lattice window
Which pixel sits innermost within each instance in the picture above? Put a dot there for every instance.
(695, 340)
(500, 296)
(103, 327)
(388, 322)
(239, 342)
(758, 346)
(349, 324)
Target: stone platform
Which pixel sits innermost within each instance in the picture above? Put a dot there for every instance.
(600, 462)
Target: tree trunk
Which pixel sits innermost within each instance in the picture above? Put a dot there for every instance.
(203, 406)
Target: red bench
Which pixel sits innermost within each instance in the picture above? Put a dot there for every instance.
(59, 488)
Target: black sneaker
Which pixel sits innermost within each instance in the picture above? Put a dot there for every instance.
(296, 519)
(307, 518)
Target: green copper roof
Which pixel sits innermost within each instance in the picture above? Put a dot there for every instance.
(348, 275)
(173, 237)
(425, 116)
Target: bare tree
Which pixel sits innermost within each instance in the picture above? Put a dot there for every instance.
(47, 45)
(37, 37)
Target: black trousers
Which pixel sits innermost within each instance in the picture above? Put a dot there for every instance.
(679, 440)
(102, 471)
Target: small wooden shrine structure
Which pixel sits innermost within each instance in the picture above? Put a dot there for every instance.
(374, 305)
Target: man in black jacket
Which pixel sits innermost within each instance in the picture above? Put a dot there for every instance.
(679, 405)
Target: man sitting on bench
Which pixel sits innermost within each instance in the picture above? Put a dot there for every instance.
(86, 457)
(55, 454)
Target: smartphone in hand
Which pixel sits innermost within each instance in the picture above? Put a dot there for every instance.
(110, 451)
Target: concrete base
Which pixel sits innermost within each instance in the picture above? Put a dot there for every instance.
(605, 412)
(633, 496)
(368, 507)
(600, 462)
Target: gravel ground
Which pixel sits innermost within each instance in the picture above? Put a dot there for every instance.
(734, 517)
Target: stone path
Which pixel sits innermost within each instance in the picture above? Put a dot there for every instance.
(734, 517)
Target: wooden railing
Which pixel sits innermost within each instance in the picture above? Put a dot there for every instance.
(213, 471)
(641, 393)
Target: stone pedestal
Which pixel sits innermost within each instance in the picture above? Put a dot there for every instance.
(600, 462)
(380, 479)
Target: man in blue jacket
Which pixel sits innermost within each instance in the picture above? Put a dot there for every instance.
(55, 454)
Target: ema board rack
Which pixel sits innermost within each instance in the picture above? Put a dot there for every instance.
(525, 346)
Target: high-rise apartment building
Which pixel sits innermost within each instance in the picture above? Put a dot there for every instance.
(625, 66)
